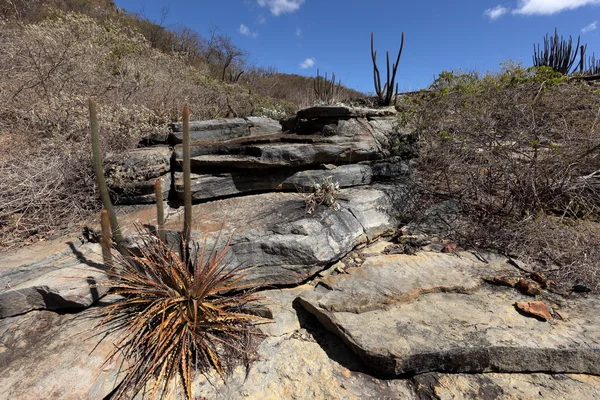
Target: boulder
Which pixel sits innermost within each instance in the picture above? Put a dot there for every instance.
(57, 275)
(131, 175)
(495, 386)
(406, 314)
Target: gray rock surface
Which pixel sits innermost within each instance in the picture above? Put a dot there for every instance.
(207, 186)
(497, 386)
(411, 314)
(344, 112)
(273, 233)
(45, 355)
(131, 175)
(224, 129)
(59, 275)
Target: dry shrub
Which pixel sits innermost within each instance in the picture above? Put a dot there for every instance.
(322, 193)
(511, 146)
(48, 70)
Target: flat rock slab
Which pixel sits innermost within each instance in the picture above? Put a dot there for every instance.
(431, 312)
(273, 233)
(44, 355)
(497, 386)
(344, 112)
(227, 128)
(338, 142)
(214, 185)
(61, 275)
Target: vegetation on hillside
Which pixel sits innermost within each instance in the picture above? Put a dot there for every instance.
(56, 54)
(520, 152)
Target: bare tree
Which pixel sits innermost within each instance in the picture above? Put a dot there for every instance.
(224, 55)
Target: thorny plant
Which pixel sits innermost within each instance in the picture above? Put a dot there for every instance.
(174, 318)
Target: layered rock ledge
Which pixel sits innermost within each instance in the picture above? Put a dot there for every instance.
(407, 314)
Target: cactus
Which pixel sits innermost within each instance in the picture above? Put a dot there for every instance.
(386, 93)
(558, 53)
(99, 171)
(187, 185)
(326, 90)
(160, 211)
(105, 240)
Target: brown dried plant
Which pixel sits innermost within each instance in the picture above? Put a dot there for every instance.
(175, 318)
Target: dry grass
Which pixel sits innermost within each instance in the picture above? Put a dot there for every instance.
(177, 319)
(520, 150)
(48, 70)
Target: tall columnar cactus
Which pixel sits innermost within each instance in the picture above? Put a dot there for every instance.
(187, 182)
(558, 53)
(385, 94)
(160, 211)
(99, 171)
(105, 240)
(326, 90)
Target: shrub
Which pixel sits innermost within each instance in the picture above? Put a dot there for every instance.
(512, 146)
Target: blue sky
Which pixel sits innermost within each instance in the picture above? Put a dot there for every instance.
(299, 36)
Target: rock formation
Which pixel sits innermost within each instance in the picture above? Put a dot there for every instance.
(357, 312)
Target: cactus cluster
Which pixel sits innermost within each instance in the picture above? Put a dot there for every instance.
(108, 219)
(326, 91)
(385, 94)
(559, 54)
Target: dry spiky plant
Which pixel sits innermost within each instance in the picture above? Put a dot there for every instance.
(325, 193)
(175, 318)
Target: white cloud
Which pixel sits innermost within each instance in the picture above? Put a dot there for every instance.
(308, 63)
(298, 32)
(496, 12)
(549, 7)
(590, 27)
(244, 30)
(261, 19)
(281, 6)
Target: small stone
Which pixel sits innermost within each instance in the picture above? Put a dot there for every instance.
(539, 278)
(581, 288)
(449, 248)
(561, 314)
(510, 281)
(536, 308)
(528, 287)
(358, 260)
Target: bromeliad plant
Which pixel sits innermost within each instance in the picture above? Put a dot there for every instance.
(177, 312)
(174, 319)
